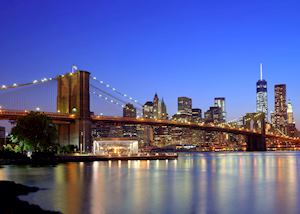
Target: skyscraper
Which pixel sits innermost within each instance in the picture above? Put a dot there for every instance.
(197, 113)
(129, 111)
(185, 105)
(262, 95)
(213, 115)
(156, 107)
(220, 102)
(163, 110)
(291, 126)
(280, 114)
(148, 110)
(129, 130)
(290, 113)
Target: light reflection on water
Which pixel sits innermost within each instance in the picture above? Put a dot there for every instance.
(195, 183)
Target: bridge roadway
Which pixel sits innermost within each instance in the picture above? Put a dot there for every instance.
(57, 118)
(60, 118)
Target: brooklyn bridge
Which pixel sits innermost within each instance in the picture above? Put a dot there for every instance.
(75, 119)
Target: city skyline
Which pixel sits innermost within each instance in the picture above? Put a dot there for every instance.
(207, 61)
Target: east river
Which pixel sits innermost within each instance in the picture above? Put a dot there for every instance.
(266, 182)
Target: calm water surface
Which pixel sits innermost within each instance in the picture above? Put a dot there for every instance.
(195, 183)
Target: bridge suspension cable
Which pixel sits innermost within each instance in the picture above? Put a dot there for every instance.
(130, 98)
(15, 85)
(102, 92)
(113, 100)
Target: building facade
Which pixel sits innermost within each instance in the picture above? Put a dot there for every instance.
(291, 126)
(262, 95)
(213, 115)
(184, 105)
(220, 102)
(129, 130)
(280, 113)
(148, 110)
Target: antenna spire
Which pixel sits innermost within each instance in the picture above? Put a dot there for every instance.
(261, 71)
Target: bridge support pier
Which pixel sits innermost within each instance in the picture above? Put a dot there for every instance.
(73, 97)
(256, 143)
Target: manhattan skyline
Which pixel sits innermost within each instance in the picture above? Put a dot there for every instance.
(201, 51)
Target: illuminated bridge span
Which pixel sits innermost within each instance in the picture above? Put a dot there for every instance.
(74, 118)
(57, 118)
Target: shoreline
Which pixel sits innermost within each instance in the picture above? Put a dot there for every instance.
(85, 158)
(10, 202)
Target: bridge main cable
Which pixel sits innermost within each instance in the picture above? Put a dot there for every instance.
(117, 91)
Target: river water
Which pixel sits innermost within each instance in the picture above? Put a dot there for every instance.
(266, 182)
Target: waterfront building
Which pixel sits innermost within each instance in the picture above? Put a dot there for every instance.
(220, 102)
(262, 95)
(115, 146)
(185, 105)
(280, 114)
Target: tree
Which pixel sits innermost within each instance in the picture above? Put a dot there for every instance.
(35, 132)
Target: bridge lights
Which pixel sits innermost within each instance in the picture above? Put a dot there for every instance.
(15, 85)
(3, 86)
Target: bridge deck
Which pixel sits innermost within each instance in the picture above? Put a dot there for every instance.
(60, 118)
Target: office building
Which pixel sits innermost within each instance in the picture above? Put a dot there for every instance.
(262, 95)
(148, 110)
(291, 126)
(129, 130)
(280, 114)
(185, 105)
(213, 115)
(290, 113)
(220, 102)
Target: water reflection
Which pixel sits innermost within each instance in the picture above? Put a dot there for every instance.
(195, 183)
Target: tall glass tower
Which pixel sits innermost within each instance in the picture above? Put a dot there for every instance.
(262, 95)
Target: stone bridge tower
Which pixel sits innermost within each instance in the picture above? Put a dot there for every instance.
(256, 122)
(73, 97)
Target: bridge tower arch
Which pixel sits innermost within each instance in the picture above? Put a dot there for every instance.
(256, 122)
(73, 97)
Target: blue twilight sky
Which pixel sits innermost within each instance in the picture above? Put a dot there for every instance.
(201, 49)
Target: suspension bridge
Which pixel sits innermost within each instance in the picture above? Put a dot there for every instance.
(75, 119)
